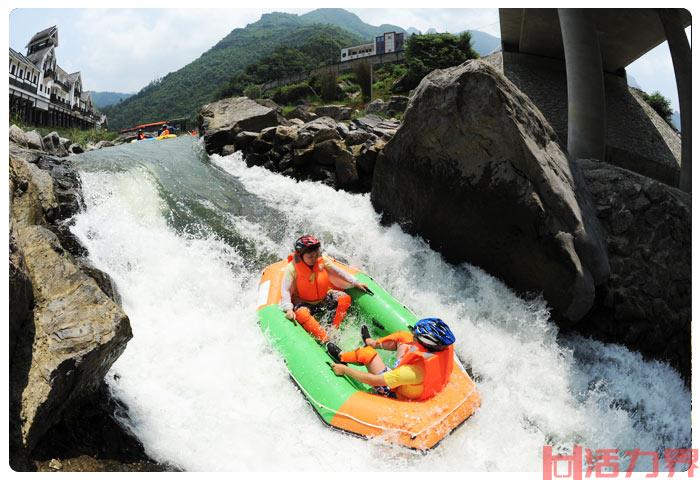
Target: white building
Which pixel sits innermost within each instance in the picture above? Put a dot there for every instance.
(42, 93)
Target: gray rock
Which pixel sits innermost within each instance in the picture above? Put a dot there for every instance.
(376, 106)
(75, 148)
(228, 150)
(357, 137)
(269, 103)
(34, 140)
(396, 104)
(65, 142)
(285, 135)
(304, 139)
(345, 169)
(242, 140)
(302, 113)
(52, 145)
(268, 134)
(221, 121)
(303, 156)
(103, 144)
(336, 112)
(343, 130)
(326, 152)
(74, 332)
(490, 185)
(260, 146)
(18, 136)
(322, 128)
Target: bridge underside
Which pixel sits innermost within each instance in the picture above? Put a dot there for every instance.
(624, 34)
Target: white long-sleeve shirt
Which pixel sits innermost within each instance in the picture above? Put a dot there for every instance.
(290, 276)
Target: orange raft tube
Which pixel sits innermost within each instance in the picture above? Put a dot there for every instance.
(349, 405)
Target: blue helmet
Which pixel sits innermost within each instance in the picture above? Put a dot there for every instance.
(433, 333)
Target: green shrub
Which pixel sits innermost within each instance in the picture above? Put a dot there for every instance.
(253, 91)
(363, 76)
(660, 104)
(293, 93)
(425, 53)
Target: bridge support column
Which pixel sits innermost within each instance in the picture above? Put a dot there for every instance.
(584, 85)
(682, 67)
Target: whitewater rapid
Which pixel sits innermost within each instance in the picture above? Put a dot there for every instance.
(185, 237)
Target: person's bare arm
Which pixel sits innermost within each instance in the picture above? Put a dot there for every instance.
(364, 377)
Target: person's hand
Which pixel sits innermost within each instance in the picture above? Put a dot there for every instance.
(339, 369)
(371, 342)
(361, 286)
(290, 314)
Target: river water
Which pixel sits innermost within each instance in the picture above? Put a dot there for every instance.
(185, 237)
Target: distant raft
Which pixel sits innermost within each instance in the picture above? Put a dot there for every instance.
(347, 404)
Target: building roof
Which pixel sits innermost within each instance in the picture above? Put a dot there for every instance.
(44, 35)
(21, 58)
(38, 56)
(73, 77)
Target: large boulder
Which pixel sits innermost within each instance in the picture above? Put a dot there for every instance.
(489, 184)
(221, 121)
(376, 106)
(377, 125)
(67, 332)
(18, 136)
(646, 304)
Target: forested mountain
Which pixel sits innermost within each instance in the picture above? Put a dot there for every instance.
(182, 92)
(105, 99)
(348, 21)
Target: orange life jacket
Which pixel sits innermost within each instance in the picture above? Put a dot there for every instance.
(312, 284)
(165, 132)
(437, 367)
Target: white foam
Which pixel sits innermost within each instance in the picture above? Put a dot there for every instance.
(206, 392)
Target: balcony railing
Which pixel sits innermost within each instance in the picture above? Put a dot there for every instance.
(49, 73)
(24, 85)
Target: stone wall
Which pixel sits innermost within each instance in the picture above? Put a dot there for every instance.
(636, 137)
(646, 304)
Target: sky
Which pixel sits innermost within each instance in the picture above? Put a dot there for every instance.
(122, 50)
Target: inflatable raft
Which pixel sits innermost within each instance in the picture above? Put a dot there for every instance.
(346, 404)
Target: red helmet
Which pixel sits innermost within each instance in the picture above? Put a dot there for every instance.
(306, 243)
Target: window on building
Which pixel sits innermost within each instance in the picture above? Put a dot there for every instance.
(12, 70)
(34, 79)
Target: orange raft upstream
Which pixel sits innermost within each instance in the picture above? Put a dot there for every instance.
(344, 403)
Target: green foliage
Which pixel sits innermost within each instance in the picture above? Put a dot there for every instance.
(384, 79)
(425, 53)
(363, 77)
(319, 45)
(253, 91)
(183, 92)
(660, 104)
(326, 84)
(294, 93)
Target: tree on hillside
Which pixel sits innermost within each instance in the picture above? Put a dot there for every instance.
(363, 77)
(660, 104)
(425, 53)
(326, 84)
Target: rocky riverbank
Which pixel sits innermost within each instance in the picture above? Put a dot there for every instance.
(66, 325)
(324, 145)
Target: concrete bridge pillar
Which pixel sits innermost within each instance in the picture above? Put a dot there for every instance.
(682, 66)
(584, 84)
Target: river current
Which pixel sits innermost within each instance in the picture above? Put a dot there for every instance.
(185, 237)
